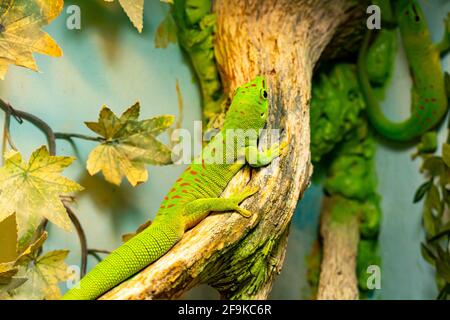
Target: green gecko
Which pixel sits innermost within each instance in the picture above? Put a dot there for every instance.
(194, 194)
(196, 28)
(429, 99)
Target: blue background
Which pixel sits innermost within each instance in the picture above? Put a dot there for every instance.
(108, 62)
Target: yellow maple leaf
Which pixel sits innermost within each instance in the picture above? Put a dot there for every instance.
(8, 279)
(32, 190)
(43, 277)
(134, 10)
(129, 144)
(20, 33)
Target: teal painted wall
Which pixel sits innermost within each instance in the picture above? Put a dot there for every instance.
(108, 62)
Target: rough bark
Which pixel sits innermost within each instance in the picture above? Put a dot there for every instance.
(283, 40)
(340, 246)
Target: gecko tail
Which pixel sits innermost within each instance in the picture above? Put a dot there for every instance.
(126, 260)
(397, 131)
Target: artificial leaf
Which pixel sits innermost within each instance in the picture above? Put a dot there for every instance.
(7, 271)
(32, 250)
(429, 221)
(421, 191)
(443, 231)
(43, 278)
(433, 200)
(21, 34)
(443, 269)
(427, 254)
(134, 10)
(166, 32)
(446, 154)
(8, 239)
(129, 145)
(10, 269)
(12, 284)
(32, 190)
(433, 165)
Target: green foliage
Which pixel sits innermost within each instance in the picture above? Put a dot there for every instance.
(436, 200)
(336, 105)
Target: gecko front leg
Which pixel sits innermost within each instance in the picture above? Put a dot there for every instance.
(256, 158)
(444, 46)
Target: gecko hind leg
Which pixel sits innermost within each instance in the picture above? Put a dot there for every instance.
(197, 210)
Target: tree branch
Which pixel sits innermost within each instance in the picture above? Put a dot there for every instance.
(240, 257)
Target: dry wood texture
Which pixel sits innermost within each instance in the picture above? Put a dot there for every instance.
(283, 40)
(340, 246)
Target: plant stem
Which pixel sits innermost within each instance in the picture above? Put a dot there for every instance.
(95, 253)
(70, 136)
(47, 130)
(82, 237)
(43, 126)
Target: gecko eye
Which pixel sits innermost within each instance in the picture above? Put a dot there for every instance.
(264, 94)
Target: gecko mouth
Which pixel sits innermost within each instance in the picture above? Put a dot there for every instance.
(416, 14)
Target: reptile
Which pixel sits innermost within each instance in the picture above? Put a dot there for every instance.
(194, 194)
(429, 99)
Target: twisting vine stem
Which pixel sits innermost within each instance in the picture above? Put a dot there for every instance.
(70, 136)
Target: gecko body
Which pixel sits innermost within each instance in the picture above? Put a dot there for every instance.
(194, 194)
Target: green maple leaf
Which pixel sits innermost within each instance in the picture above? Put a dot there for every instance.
(129, 145)
(32, 190)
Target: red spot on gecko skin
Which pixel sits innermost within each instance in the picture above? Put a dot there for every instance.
(253, 85)
(163, 207)
(185, 184)
(179, 179)
(193, 172)
(421, 107)
(197, 180)
(203, 164)
(176, 197)
(427, 100)
(170, 205)
(165, 198)
(172, 190)
(184, 191)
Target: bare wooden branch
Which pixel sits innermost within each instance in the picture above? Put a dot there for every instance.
(281, 39)
(340, 246)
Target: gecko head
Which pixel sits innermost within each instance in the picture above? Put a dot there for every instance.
(250, 106)
(410, 15)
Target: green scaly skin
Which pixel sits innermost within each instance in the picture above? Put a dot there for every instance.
(196, 28)
(429, 104)
(193, 196)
